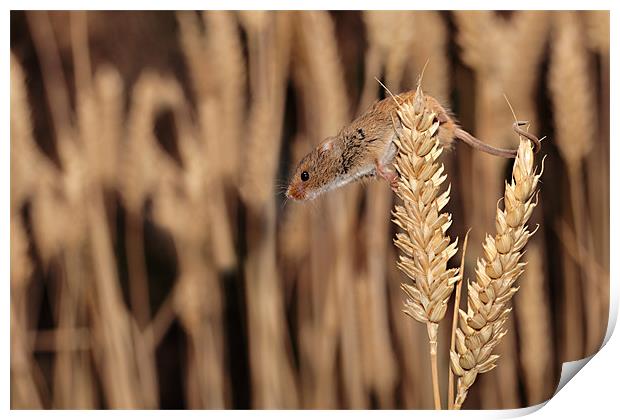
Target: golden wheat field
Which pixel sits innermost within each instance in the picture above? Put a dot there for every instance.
(156, 262)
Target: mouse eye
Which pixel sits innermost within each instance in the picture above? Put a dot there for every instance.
(305, 176)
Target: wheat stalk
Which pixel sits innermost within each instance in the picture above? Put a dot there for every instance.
(272, 374)
(570, 85)
(392, 35)
(535, 328)
(597, 29)
(430, 43)
(575, 117)
(424, 244)
(488, 303)
(99, 108)
(220, 94)
(390, 39)
(598, 174)
(23, 181)
(224, 47)
(319, 72)
(455, 320)
(141, 166)
(29, 168)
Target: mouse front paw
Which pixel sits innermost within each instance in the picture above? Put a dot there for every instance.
(394, 184)
(387, 174)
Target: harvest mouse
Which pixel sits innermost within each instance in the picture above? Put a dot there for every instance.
(365, 148)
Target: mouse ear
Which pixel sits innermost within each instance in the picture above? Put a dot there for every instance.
(327, 145)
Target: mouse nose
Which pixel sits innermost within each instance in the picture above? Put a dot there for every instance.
(295, 192)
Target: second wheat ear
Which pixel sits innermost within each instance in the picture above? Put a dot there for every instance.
(482, 326)
(366, 148)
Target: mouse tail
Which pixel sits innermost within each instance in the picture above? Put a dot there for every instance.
(465, 137)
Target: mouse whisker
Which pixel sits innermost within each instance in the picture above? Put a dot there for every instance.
(281, 189)
(284, 203)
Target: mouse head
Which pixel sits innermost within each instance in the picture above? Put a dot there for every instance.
(316, 172)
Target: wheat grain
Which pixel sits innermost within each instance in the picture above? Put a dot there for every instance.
(488, 302)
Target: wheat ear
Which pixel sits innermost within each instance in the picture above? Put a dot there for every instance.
(488, 301)
(425, 247)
